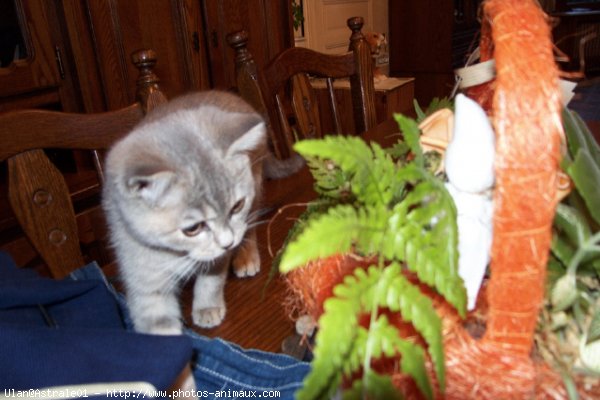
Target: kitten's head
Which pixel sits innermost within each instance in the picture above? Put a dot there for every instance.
(185, 181)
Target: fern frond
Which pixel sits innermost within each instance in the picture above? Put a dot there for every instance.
(371, 169)
(374, 386)
(334, 343)
(385, 340)
(336, 232)
(390, 289)
(411, 133)
(423, 232)
(416, 308)
(345, 343)
(330, 180)
(400, 211)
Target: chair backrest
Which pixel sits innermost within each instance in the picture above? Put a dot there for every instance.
(283, 87)
(37, 190)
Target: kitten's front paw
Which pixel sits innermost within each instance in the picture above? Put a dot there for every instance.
(246, 262)
(208, 317)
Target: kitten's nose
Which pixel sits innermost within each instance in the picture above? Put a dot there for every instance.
(225, 238)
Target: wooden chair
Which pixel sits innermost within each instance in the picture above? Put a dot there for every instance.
(266, 90)
(37, 191)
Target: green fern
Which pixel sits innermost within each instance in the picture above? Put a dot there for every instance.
(397, 210)
(369, 167)
(337, 231)
(341, 344)
(330, 180)
(411, 134)
(388, 288)
(383, 339)
(373, 386)
(405, 233)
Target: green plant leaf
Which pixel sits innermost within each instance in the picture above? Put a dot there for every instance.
(593, 332)
(570, 221)
(389, 288)
(570, 386)
(564, 293)
(412, 361)
(423, 232)
(579, 135)
(399, 210)
(336, 232)
(421, 115)
(330, 180)
(585, 173)
(435, 104)
(596, 265)
(334, 343)
(589, 353)
(416, 308)
(556, 268)
(559, 320)
(376, 387)
(411, 133)
(562, 249)
(382, 339)
(336, 356)
(370, 168)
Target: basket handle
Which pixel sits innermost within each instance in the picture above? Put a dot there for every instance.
(527, 120)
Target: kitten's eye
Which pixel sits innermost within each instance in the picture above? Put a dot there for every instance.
(194, 229)
(237, 207)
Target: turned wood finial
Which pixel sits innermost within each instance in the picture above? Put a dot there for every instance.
(145, 60)
(363, 78)
(355, 24)
(246, 72)
(148, 91)
(238, 41)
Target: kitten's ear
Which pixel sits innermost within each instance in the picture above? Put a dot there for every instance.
(151, 188)
(253, 138)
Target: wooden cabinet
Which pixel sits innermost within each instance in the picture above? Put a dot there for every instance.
(77, 55)
(393, 95)
(269, 28)
(104, 34)
(94, 40)
(172, 28)
(428, 39)
(35, 76)
(34, 66)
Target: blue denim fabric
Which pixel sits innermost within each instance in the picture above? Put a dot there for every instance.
(69, 332)
(86, 334)
(225, 368)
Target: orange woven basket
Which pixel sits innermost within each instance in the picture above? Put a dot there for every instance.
(526, 115)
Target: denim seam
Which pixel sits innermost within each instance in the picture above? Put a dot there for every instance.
(242, 384)
(244, 355)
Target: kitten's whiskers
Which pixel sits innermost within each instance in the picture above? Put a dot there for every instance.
(257, 223)
(179, 273)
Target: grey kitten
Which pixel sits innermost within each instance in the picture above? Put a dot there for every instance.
(180, 194)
